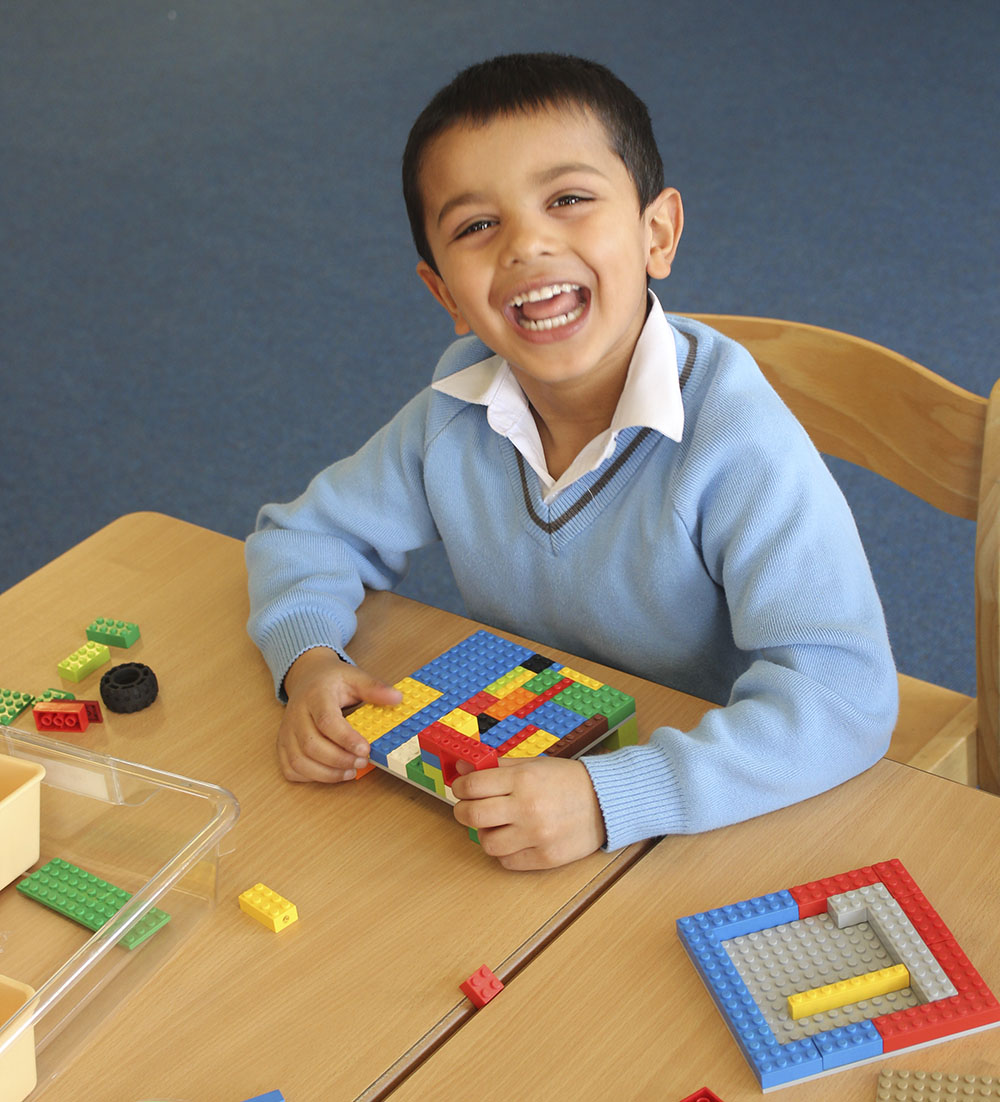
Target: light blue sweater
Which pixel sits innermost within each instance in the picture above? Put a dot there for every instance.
(727, 565)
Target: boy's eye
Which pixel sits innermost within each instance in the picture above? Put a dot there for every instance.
(474, 227)
(569, 200)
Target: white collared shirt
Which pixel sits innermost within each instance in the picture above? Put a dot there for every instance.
(651, 397)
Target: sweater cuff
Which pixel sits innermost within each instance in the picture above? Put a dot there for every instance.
(289, 639)
(638, 793)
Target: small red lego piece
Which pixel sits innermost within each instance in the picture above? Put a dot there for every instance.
(451, 747)
(94, 713)
(481, 986)
(704, 1095)
(61, 715)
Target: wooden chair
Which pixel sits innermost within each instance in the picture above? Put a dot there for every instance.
(870, 406)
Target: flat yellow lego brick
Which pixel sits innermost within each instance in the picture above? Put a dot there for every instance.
(581, 678)
(510, 681)
(76, 666)
(532, 746)
(462, 722)
(372, 721)
(846, 992)
(268, 908)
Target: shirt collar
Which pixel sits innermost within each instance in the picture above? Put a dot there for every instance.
(650, 398)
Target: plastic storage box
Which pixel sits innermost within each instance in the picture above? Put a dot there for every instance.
(154, 834)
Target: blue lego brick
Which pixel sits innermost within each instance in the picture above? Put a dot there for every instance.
(748, 916)
(271, 1096)
(384, 746)
(555, 719)
(778, 1064)
(848, 1044)
(507, 728)
(471, 664)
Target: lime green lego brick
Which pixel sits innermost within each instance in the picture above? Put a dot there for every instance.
(626, 735)
(86, 659)
(13, 703)
(87, 899)
(113, 633)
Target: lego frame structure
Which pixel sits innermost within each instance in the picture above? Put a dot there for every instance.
(756, 955)
(488, 698)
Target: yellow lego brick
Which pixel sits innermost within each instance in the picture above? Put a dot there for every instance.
(846, 992)
(76, 666)
(532, 746)
(462, 722)
(268, 908)
(581, 678)
(371, 721)
(510, 681)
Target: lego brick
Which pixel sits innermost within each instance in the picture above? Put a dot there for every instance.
(271, 1096)
(84, 660)
(461, 721)
(12, 704)
(625, 735)
(581, 678)
(812, 897)
(857, 989)
(451, 747)
(848, 1044)
(898, 1085)
(61, 715)
(268, 908)
(87, 899)
(371, 721)
(481, 986)
(113, 633)
(579, 739)
(55, 694)
(703, 1095)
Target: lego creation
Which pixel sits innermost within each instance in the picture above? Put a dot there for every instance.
(268, 908)
(488, 698)
(87, 899)
(926, 1086)
(481, 986)
(756, 954)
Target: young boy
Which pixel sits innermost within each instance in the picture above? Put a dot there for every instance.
(606, 480)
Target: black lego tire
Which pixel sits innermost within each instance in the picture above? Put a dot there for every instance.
(129, 687)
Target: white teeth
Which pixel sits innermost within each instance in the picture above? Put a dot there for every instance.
(543, 293)
(551, 323)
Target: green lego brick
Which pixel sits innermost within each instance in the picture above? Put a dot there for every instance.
(13, 703)
(415, 772)
(55, 694)
(614, 705)
(544, 680)
(626, 735)
(580, 699)
(113, 633)
(89, 657)
(473, 834)
(86, 899)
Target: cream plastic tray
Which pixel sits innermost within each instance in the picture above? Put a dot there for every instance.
(152, 833)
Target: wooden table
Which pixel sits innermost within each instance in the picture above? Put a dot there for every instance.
(614, 1008)
(396, 905)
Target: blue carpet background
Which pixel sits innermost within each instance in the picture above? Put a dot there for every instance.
(206, 278)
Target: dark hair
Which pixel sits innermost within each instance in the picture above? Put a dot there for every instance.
(519, 83)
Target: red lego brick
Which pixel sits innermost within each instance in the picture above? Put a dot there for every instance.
(927, 922)
(451, 747)
(478, 704)
(94, 713)
(61, 715)
(515, 740)
(481, 986)
(704, 1095)
(919, 1025)
(812, 897)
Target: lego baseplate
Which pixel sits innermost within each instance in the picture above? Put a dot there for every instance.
(488, 698)
(756, 955)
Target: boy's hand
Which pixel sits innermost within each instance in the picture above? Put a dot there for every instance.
(315, 741)
(532, 813)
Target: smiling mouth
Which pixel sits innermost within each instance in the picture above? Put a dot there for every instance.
(551, 307)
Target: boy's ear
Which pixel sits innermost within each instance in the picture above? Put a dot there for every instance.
(665, 219)
(439, 289)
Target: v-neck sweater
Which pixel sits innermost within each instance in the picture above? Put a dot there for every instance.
(726, 565)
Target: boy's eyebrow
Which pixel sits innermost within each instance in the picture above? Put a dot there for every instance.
(546, 176)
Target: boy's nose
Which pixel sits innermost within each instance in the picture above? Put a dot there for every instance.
(526, 239)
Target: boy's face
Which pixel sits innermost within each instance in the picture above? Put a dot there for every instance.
(534, 224)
